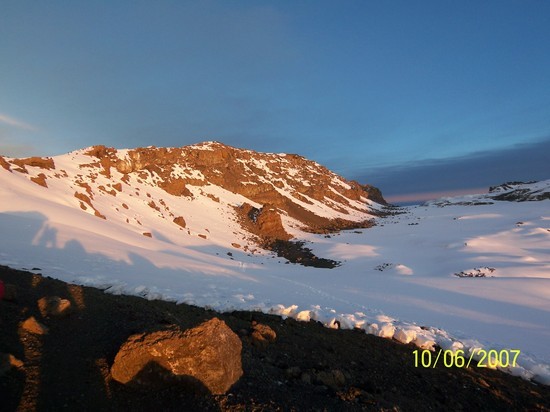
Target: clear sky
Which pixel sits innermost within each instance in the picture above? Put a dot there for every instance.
(411, 96)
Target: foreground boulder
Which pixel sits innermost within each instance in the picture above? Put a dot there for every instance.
(206, 356)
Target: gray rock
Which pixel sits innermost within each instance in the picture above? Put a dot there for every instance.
(208, 356)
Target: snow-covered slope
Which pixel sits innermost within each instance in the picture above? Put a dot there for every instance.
(474, 274)
(510, 191)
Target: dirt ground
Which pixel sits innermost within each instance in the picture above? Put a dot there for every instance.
(307, 368)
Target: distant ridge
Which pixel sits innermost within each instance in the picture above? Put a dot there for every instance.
(509, 191)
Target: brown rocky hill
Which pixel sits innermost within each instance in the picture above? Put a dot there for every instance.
(261, 177)
(273, 187)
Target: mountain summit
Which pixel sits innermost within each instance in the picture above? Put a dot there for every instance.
(199, 189)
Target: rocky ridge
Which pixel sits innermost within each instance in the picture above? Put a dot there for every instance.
(276, 192)
(509, 191)
(520, 191)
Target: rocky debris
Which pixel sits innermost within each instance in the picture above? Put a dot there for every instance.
(147, 234)
(262, 335)
(31, 325)
(209, 353)
(8, 361)
(54, 306)
(476, 273)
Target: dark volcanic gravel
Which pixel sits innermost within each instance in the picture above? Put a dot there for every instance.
(307, 367)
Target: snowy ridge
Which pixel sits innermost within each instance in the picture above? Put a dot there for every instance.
(511, 191)
(91, 220)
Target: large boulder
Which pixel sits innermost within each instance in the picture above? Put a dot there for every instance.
(209, 354)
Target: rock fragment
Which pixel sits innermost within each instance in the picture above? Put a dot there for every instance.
(262, 335)
(8, 361)
(54, 306)
(33, 326)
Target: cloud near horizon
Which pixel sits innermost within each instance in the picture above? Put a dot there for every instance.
(11, 121)
(460, 175)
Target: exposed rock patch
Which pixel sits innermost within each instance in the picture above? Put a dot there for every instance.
(265, 222)
(180, 221)
(40, 162)
(85, 202)
(40, 180)
(176, 187)
(4, 164)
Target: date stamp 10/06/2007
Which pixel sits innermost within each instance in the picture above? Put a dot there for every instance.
(449, 358)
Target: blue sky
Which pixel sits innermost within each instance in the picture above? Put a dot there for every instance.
(412, 96)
